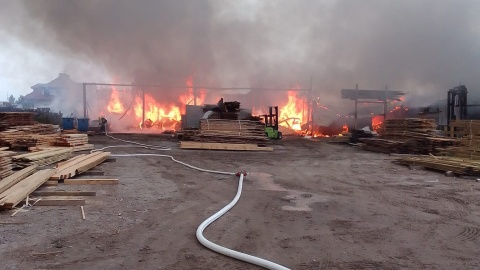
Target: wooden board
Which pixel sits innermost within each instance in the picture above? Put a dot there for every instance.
(223, 146)
(63, 193)
(22, 189)
(91, 181)
(13, 179)
(59, 202)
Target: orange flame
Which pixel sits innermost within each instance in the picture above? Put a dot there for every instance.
(164, 117)
(291, 113)
(345, 128)
(115, 105)
(189, 97)
(377, 122)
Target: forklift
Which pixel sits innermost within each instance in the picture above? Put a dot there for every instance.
(271, 123)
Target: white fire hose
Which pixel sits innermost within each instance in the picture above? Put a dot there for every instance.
(205, 242)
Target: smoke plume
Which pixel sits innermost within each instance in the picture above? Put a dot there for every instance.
(421, 47)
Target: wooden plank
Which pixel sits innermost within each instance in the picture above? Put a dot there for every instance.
(59, 202)
(11, 180)
(223, 146)
(50, 183)
(77, 167)
(22, 189)
(90, 181)
(63, 193)
(95, 173)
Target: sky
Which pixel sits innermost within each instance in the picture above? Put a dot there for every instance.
(423, 47)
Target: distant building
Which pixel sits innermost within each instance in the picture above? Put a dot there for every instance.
(45, 95)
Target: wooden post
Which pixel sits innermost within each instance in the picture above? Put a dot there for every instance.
(143, 107)
(385, 104)
(194, 96)
(84, 100)
(309, 120)
(356, 106)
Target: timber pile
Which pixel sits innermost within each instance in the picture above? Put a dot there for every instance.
(71, 140)
(455, 165)
(468, 132)
(6, 162)
(407, 136)
(406, 128)
(78, 165)
(11, 119)
(231, 131)
(28, 136)
(41, 158)
(22, 185)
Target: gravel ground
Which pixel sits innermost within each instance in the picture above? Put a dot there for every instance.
(306, 205)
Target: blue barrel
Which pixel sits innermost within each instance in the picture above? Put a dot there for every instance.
(67, 123)
(82, 124)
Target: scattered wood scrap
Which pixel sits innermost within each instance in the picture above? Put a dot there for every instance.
(79, 165)
(223, 146)
(14, 195)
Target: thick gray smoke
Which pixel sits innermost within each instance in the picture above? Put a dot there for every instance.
(422, 47)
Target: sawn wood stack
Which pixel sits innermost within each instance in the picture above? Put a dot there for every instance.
(11, 119)
(408, 136)
(231, 131)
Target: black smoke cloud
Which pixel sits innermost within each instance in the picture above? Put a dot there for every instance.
(422, 47)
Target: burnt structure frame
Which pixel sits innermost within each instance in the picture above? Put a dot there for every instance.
(144, 86)
(371, 97)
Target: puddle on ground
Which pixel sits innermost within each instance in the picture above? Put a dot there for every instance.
(301, 200)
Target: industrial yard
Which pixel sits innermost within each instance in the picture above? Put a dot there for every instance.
(306, 205)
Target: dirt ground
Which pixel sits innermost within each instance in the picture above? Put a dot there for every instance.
(306, 205)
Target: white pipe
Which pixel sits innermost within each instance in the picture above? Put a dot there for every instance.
(230, 252)
(204, 241)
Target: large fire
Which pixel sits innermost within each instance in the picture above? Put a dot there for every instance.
(291, 114)
(115, 105)
(161, 115)
(377, 122)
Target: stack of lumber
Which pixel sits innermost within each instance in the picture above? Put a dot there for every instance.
(231, 131)
(79, 142)
(18, 186)
(41, 158)
(406, 128)
(455, 165)
(11, 119)
(408, 136)
(78, 165)
(6, 162)
(468, 132)
(28, 136)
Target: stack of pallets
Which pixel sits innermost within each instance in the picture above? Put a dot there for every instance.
(11, 119)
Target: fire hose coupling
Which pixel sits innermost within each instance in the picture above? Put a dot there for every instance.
(240, 173)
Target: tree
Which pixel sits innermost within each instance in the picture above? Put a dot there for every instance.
(20, 99)
(11, 99)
